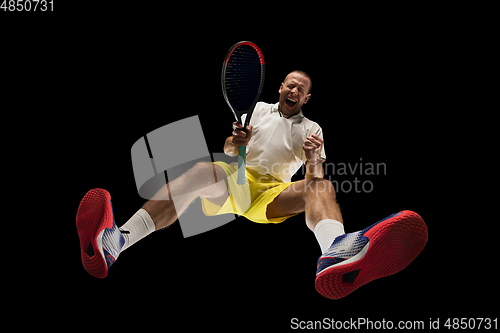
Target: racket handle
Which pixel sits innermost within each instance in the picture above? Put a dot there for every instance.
(242, 157)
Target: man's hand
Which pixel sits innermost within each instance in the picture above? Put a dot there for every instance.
(239, 138)
(312, 147)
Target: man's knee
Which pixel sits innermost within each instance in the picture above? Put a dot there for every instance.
(203, 172)
(205, 175)
(202, 168)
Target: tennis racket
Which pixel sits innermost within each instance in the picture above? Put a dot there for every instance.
(242, 81)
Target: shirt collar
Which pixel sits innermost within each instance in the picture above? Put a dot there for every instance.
(296, 118)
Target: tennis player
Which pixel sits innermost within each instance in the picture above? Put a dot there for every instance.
(279, 139)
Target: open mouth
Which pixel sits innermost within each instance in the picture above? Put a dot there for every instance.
(290, 102)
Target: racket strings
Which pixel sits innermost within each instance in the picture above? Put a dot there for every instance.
(243, 77)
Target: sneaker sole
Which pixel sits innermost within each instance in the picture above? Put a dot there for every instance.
(94, 215)
(393, 245)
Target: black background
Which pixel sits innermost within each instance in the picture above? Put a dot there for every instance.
(95, 80)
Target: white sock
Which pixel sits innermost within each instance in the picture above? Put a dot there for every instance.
(326, 231)
(137, 227)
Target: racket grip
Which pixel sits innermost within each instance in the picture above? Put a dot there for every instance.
(242, 157)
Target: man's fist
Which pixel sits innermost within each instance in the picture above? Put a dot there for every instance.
(240, 137)
(312, 148)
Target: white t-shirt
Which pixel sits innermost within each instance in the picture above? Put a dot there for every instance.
(276, 144)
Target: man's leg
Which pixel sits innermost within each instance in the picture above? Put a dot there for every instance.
(315, 196)
(204, 179)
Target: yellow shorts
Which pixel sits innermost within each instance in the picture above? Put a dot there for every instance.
(249, 200)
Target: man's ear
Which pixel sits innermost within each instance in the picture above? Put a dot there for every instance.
(307, 98)
(281, 87)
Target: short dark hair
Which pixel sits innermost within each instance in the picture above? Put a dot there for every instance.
(303, 74)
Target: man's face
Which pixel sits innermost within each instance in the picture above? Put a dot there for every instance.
(294, 93)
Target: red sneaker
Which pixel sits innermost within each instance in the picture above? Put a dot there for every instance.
(379, 250)
(100, 239)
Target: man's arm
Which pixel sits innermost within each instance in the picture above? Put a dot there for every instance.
(314, 164)
(314, 170)
(239, 138)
